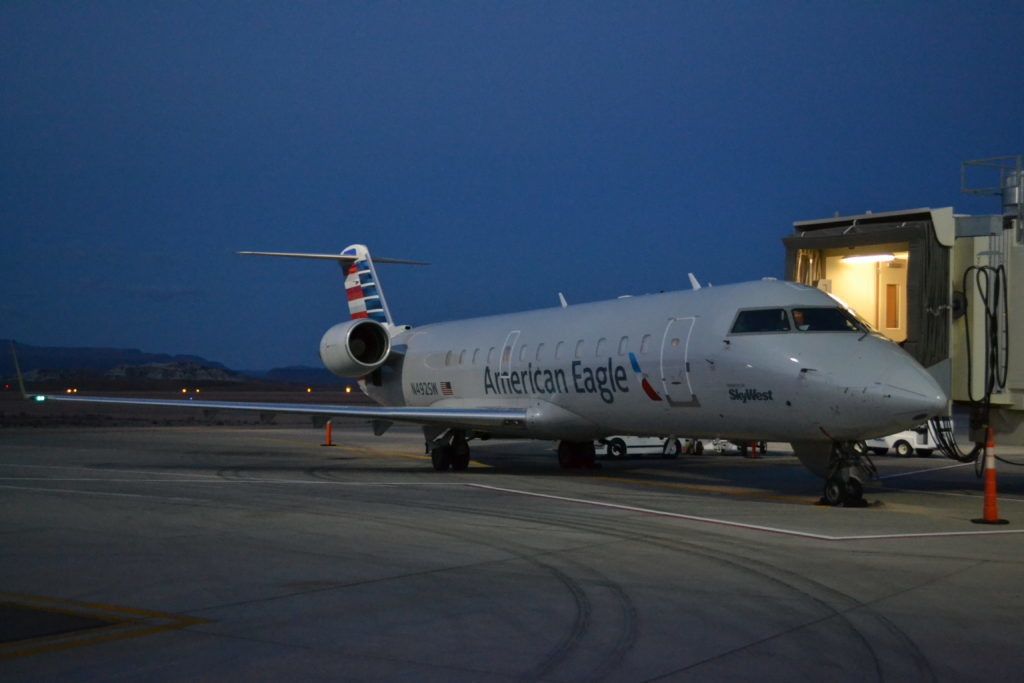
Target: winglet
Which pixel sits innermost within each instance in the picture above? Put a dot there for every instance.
(693, 281)
(561, 299)
(17, 371)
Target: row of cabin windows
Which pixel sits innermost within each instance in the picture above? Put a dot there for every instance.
(601, 350)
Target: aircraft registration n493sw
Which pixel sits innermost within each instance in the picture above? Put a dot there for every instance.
(765, 360)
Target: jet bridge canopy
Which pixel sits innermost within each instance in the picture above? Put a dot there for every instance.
(901, 281)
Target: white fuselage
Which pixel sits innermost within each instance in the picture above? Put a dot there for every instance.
(666, 364)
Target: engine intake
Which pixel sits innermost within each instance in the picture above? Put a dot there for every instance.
(355, 348)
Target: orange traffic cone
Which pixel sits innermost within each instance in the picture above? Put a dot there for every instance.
(327, 436)
(990, 510)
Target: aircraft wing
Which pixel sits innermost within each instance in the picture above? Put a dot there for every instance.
(462, 417)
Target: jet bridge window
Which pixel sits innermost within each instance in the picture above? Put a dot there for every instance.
(825, 320)
(761, 320)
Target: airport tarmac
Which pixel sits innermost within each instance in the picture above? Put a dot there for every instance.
(211, 552)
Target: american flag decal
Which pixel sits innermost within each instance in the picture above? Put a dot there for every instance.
(446, 389)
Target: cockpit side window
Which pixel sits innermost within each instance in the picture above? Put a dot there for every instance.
(761, 320)
(825, 320)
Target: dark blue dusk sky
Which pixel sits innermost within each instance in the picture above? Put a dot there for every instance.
(524, 148)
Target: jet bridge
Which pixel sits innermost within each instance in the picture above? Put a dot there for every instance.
(947, 287)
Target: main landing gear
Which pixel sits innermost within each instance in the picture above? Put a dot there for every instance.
(577, 455)
(449, 450)
(849, 467)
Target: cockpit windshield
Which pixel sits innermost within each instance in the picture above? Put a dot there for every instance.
(826, 320)
(804, 319)
(761, 320)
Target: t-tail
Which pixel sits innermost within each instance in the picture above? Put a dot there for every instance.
(365, 299)
(362, 287)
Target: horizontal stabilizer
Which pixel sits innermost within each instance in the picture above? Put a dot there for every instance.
(346, 258)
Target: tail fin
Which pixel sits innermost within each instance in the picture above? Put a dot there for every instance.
(365, 299)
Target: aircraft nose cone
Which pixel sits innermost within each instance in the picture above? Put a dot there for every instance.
(883, 390)
(911, 392)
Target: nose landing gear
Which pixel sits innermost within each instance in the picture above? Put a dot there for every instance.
(849, 468)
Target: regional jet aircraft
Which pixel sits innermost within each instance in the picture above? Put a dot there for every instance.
(763, 360)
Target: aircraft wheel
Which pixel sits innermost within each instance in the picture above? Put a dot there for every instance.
(441, 458)
(673, 447)
(616, 448)
(902, 448)
(835, 492)
(698, 447)
(762, 447)
(854, 494)
(460, 457)
(458, 452)
(567, 455)
(577, 454)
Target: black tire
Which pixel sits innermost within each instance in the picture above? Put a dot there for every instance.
(565, 456)
(698, 447)
(616, 448)
(459, 457)
(854, 493)
(672, 449)
(441, 458)
(902, 448)
(762, 447)
(835, 492)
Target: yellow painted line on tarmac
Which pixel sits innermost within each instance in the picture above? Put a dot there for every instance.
(748, 493)
(359, 449)
(122, 623)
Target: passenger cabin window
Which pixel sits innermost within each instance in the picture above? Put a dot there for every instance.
(825, 320)
(601, 343)
(448, 359)
(645, 343)
(522, 353)
(761, 320)
(490, 356)
(579, 349)
(540, 348)
(476, 356)
(623, 346)
(462, 357)
(560, 350)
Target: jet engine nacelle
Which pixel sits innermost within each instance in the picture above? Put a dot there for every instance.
(355, 348)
